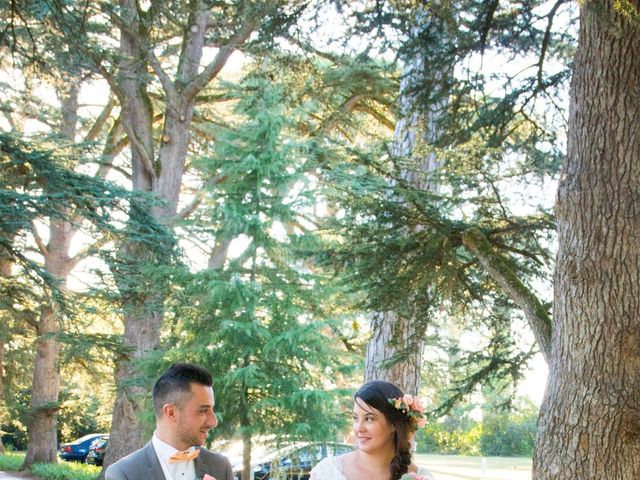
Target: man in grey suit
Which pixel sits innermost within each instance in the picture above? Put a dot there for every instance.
(183, 404)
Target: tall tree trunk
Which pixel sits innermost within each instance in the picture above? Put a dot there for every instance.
(42, 424)
(5, 272)
(392, 332)
(162, 175)
(43, 439)
(2, 413)
(590, 416)
(45, 388)
(141, 325)
(245, 424)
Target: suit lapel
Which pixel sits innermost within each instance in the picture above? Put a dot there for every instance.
(154, 469)
(200, 466)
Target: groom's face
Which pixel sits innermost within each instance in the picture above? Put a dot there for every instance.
(195, 416)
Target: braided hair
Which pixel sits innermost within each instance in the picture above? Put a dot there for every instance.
(376, 394)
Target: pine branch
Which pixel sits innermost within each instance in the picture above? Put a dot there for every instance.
(140, 149)
(165, 81)
(112, 147)
(389, 124)
(219, 254)
(216, 65)
(547, 36)
(197, 200)
(95, 129)
(87, 251)
(499, 269)
(42, 248)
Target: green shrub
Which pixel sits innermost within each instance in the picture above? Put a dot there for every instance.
(507, 434)
(65, 471)
(50, 471)
(11, 461)
(501, 433)
(440, 438)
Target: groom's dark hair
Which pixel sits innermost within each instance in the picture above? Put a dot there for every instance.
(175, 382)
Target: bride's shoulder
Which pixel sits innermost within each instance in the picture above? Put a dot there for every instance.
(349, 456)
(330, 468)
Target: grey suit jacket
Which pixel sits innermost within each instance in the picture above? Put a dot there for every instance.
(143, 464)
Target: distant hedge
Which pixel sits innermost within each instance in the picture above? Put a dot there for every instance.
(503, 434)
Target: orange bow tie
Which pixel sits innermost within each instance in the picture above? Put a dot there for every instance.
(184, 456)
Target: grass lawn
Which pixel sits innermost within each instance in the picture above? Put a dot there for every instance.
(456, 467)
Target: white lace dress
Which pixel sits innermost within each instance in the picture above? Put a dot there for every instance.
(330, 468)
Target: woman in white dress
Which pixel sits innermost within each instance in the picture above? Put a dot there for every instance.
(384, 422)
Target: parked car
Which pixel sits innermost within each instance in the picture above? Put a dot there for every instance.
(293, 462)
(78, 449)
(97, 450)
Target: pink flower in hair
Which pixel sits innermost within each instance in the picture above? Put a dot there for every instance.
(411, 406)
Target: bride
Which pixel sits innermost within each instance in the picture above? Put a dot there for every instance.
(384, 422)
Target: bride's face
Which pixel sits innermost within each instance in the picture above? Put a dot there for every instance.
(372, 430)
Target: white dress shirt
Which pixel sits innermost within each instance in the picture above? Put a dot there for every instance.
(185, 470)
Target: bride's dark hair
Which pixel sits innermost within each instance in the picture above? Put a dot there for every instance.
(376, 394)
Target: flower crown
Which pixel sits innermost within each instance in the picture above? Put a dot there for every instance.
(411, 406)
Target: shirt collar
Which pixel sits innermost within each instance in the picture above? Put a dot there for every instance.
(164, 450)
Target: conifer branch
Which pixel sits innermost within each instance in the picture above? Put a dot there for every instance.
(486, 27)
(42, 248)
(216, 65)
(197, 200)
(95, 129)
(332, 57)
(35, 115)
(218, 254)
(499, 269)
(165, 81)
(112, 147)
(546, 39)
(140, 149)
(6, 112)
(377, 115)
(87, 251)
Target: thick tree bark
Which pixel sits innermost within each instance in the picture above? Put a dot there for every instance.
(141, 327)
(5, 272)
(393, 335)
(45, 388)
(42, 424)
(2, 413)
(390, 335)
(590, 416)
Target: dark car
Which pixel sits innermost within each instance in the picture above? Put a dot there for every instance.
(293, 462)
(97, 450)
(78, 449)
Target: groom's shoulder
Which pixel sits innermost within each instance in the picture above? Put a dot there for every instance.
(118, 469)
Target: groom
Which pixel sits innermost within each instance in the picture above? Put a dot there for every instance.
(183, 404)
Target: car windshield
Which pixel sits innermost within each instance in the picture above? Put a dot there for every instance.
(305, 453)
(86, 437)
(279, 453)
